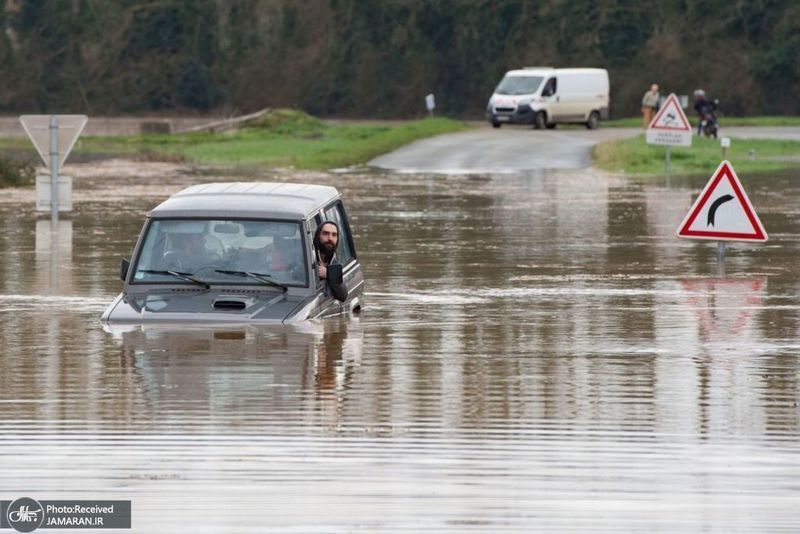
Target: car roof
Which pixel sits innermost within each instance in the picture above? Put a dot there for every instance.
(247, 199)
(545, 71)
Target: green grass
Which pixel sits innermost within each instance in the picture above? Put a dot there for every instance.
(635, 156)
(14, 172)
(636, 122)
(286, 138)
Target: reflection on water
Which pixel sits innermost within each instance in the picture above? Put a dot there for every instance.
(536, 352)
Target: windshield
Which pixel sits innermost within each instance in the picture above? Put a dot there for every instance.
(518, 85)
(201, 248)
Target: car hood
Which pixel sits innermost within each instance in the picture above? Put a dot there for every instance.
(202, 307)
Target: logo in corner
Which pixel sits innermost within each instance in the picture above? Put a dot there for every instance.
(25, 514)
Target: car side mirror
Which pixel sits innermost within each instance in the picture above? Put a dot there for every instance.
(335, 276)
(335, 281)
(124, 265)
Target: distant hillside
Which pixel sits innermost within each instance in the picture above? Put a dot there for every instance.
(379, 58)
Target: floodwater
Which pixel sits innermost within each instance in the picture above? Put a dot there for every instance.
(538, 352)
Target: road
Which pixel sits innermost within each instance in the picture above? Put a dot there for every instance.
(518, 149)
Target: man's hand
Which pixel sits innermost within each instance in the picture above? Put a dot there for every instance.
(323, 271)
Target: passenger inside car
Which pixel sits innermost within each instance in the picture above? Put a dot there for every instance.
(285, 258)
(187, 251)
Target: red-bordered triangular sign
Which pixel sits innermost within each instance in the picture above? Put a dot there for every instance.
(723, 212)
(671, 117)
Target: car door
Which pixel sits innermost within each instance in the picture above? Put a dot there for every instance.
(346, 256)
(553, 100)
(326, 304)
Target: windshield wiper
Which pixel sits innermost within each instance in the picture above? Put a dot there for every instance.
(263, 278)
(183, 276)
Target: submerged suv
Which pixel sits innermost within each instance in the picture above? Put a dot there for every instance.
(238, 253)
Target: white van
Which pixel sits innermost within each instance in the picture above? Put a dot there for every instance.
(544, 97)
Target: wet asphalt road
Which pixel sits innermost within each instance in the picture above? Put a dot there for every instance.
(507, 150)
(519, 149)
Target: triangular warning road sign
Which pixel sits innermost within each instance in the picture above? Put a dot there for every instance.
(671, 116)
(670, 125)
(38, 129)
(723, 212)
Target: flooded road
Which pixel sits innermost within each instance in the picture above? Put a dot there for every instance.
(513, 149)
(537, 352)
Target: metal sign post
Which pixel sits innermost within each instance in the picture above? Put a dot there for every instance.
(54, 169)
(721, 251)
(667, 157)
(725, 143)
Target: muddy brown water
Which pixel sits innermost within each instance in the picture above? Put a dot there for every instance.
(537, 352)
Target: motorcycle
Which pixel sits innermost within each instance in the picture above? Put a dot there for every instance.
(708, 119)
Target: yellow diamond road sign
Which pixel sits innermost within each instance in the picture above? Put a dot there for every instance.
(38, 129)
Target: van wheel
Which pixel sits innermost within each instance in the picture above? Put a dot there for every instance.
(540, 121)
(496, 125)
(594, 120)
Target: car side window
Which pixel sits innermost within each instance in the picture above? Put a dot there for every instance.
(313, 224)
(336, 213)
(550, 88)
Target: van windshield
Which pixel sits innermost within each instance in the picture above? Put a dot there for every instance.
(204, 247)
(519, 85)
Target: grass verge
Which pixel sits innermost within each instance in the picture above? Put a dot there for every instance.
(14, 173)
(636, 122)
(284, 138)
(635, 156)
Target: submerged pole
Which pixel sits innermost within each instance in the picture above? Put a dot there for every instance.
(54, 169)
(721, 259)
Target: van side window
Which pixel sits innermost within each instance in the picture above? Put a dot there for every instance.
(336, 213)
(550, 87)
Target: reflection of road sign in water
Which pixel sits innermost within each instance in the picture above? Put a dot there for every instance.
(670, 125)
(724, 308)
(722, 211)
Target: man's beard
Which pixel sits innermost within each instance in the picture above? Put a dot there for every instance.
(327, 250)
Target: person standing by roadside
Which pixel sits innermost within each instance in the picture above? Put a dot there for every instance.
(649, 105)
